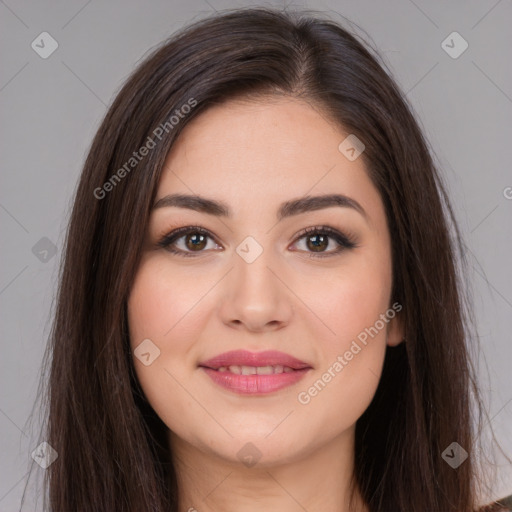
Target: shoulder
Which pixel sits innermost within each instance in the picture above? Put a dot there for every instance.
(502, 505)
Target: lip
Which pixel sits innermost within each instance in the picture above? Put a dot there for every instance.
(246, 358)
(254, 384)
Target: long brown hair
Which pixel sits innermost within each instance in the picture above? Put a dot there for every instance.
(111, 445)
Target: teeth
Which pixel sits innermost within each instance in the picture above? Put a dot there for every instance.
(264, 370)
(248, 370)
(255, 370)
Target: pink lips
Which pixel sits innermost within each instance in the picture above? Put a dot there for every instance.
(245, 358)
(289, 371)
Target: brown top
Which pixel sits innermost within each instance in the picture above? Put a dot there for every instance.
(503, 505)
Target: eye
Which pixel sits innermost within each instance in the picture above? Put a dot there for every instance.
(318, 238)
(195, 240)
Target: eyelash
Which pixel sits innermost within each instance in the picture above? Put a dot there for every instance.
(344, 241)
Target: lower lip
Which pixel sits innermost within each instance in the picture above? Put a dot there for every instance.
(255, 384)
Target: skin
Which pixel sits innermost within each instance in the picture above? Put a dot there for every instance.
(254, 155)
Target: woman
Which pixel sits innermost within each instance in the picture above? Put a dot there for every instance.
(259, 305)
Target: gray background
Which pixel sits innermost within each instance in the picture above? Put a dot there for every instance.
(51, 108)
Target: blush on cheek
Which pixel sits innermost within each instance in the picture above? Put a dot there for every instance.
(158, 301)
(354, 312)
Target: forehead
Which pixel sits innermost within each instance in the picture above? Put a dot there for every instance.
(269, 135)
(247, 152)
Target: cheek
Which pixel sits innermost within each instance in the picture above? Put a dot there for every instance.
(353, 348)
(344, 383)
(161, 308)
(349, 301)
(162, 302)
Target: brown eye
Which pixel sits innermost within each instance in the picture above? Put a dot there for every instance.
(195, 241)
(318, 239)
(317, 242)
(186, 241)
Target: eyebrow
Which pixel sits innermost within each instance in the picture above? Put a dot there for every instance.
(286, 209)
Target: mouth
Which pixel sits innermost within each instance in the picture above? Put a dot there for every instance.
(255, 370)
(260, 373)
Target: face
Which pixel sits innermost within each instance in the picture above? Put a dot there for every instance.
(255, 281)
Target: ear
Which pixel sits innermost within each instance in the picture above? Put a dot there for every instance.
(395, 331)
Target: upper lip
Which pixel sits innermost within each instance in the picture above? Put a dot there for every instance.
(245, 358)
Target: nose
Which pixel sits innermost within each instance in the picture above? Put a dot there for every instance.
(256, 297)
